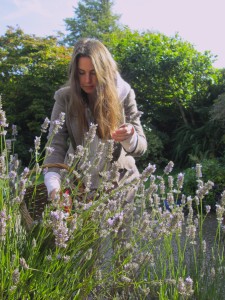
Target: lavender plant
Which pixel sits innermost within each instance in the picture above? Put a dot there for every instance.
(103, 246)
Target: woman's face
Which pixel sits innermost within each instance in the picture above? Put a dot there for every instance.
(87, 76)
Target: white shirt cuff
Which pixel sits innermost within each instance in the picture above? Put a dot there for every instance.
(52, 181)
(130, 144)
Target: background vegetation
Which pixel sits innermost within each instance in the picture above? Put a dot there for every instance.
(177, 87)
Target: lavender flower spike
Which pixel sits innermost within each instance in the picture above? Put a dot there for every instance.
(198, 170)
(147, 172)
(90, 135)
(45, 125)
(14, 130)
(168, 169)
(15, 276)
(223, 198)
(189, 286)
(3, 219)
(3, 119)
(180, 180)
(57, 124)
(23, 264)
(37, 143)
(49, 150)
(59, 227)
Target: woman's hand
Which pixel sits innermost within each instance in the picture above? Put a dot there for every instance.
(53, 194)
(123, 133)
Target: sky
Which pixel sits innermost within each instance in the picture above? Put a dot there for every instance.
(200, 22)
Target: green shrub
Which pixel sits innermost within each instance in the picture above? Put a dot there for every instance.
(213, 170)
(154, 153)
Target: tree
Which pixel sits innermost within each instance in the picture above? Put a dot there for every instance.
(218, 109)
(31, 69)
(172, 81)
(165, 71)
(93, 18)
(175, 86)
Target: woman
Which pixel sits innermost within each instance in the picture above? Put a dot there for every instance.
(97, 94)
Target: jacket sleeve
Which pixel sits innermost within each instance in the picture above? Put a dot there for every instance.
(59, 140)
(132, 116)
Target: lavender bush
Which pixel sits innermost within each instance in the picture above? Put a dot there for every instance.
(105, 247)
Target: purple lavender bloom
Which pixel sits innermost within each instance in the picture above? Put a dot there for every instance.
(180, 180)
(60, 229)
(110, 148)
(90, 135)
(110, 222)
(15, 276)
(3, 219)
(37, 143)
(61, 235)
(199, 170)
(25, 172)
(170, 181)
(80, 151)
(219, 213)
(49, 150)
(12, 175)
(147, 172)
(181, 286)
(168, 169)
(57, 124)
(189, 286)
(2, 164)
(116, 219)
(208, 208)
(14, 131)
(8, 143)
(56, 216)
(45, 125)
(23, 264)
(3, 119)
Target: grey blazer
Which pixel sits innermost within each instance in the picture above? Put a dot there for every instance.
(70, 130)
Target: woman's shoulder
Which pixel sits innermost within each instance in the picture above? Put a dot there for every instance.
(123, 88)
(63, 92)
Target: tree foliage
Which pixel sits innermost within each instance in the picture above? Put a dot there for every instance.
(218, 109)
(175, 87)
(173, 84)
(166, 71)
(92, 18)
(31, 69)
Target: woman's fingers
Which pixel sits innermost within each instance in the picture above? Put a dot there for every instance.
(124, 132)
(53, 194)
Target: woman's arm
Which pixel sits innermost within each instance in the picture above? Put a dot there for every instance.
(131, 134)
(58, 141)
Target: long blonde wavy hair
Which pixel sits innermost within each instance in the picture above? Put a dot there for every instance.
(107, 110)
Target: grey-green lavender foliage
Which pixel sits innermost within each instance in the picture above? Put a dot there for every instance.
(104, 246)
